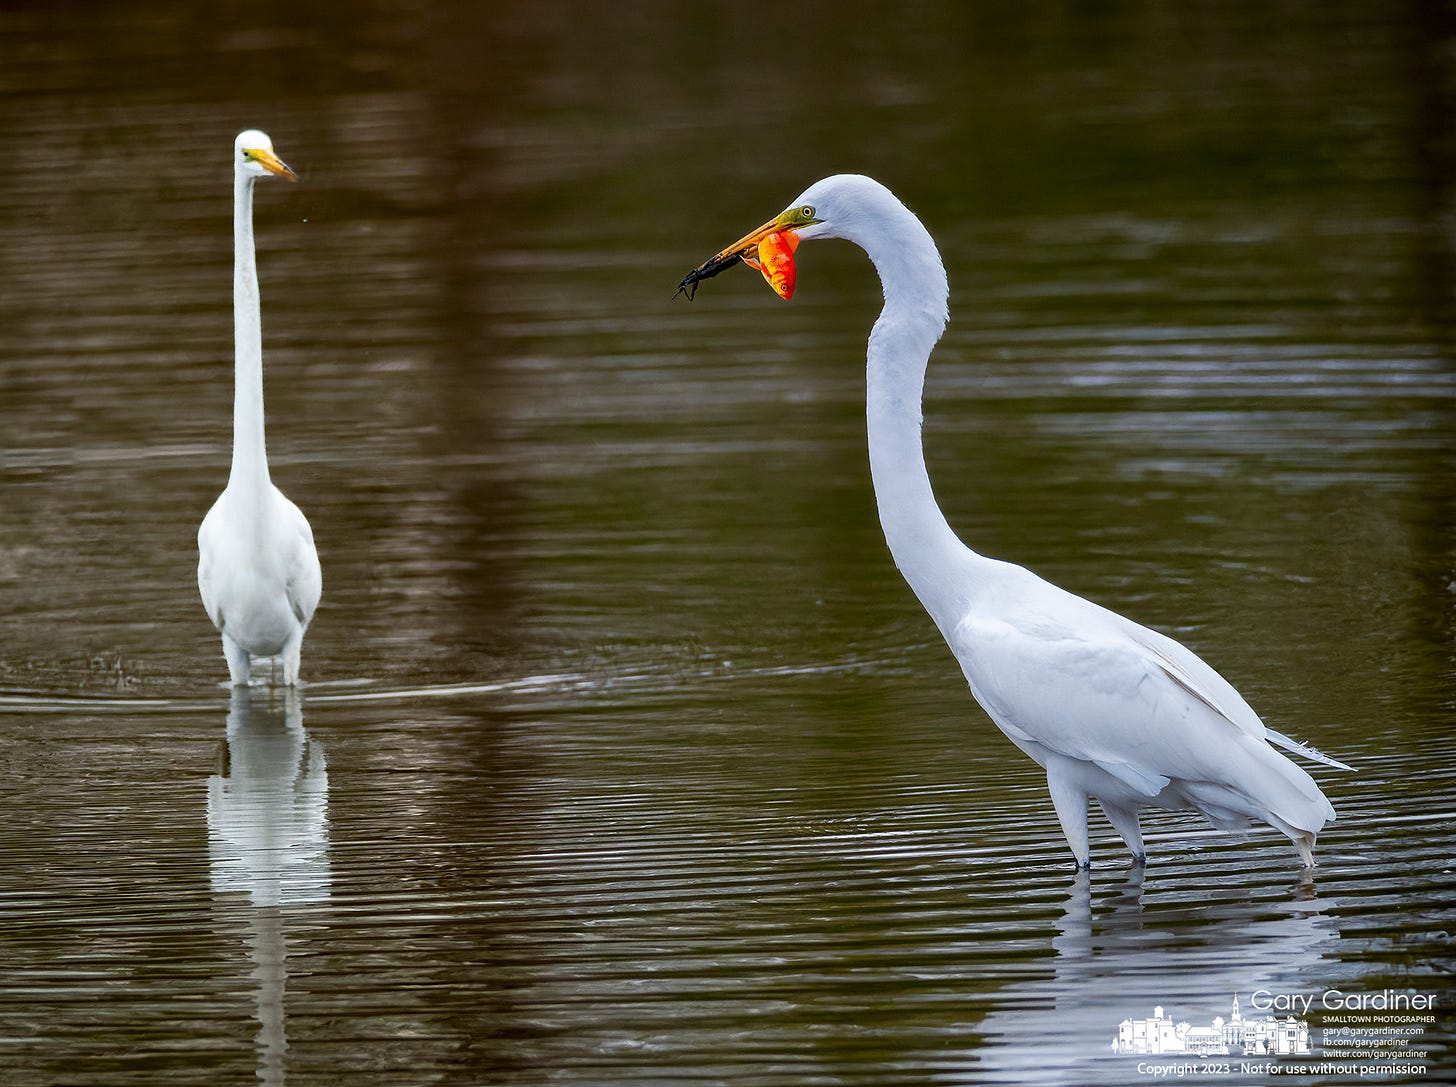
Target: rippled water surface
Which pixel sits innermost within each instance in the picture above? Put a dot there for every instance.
(624, 756)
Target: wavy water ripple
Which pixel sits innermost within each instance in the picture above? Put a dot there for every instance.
(624, 756)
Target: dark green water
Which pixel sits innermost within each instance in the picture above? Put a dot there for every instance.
(625, 756)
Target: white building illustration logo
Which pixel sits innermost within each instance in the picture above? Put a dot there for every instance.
(1270, 1035)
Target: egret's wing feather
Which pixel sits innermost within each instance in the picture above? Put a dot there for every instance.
(1189, 671)
(304, 581)
(1077, 680)
(1186, 668)
(1095, 697)
(206, 568)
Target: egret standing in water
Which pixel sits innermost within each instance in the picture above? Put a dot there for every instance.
(257, 566)
(1111, 710)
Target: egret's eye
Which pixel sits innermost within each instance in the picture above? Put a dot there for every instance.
(807, 211)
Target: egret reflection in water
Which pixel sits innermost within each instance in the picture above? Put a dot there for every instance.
(268, 836)
(1121, 958)
(268, 807)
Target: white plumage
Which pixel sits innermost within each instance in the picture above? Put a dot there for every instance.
(257, 567)
(1112, 710)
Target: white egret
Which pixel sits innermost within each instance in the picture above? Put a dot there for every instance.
(257, 566)
(1111, 710)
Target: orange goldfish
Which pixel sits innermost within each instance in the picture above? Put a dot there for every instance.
(776, 261)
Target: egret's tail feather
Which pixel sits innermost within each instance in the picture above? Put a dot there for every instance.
(1304, 749)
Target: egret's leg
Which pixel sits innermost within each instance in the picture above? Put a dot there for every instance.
(1125, 822)
(239, 663)
(1305, 844)
(292, 656)
(1071, 804)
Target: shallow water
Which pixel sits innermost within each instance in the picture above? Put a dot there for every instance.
(624, 755)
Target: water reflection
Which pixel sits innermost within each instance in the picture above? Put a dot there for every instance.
(268, 838)
(1119, 958)
(268, 806)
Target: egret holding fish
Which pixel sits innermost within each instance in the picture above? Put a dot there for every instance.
(1111, 710)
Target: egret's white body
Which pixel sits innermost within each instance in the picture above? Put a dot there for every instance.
(257, 566)
(1112, 710)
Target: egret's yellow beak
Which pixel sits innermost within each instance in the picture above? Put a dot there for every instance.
(270, 162)
(746, 249)
(747, 245)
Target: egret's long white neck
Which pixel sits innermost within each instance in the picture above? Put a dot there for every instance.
(250, 457)
(909, 326)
